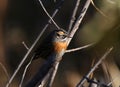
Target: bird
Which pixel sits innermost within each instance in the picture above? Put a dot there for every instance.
(54, 44)
(52, 49)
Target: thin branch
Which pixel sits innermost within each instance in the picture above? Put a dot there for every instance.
(48, 14)
(25, 70)
(73, 15)
(42, 72)
(45, 79)
(99, 10)
(95, 66)
(52, 76)
(5, 70)
(79, 48)
(79, 20)
(110, 83)
(32, 47)
(25, 45)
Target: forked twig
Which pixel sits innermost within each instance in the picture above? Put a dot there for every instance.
(79, 48)
(73, 15)
(95, 66)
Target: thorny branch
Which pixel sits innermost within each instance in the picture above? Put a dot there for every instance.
(94, 67)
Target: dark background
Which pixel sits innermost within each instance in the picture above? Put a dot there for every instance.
(22, 20)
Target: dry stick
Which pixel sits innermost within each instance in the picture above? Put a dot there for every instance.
(24, 58)
(5, 70)
(24, 73)
(31, 48)
(25, 45)
(79, 48)
(117, 77)
(48, 14)
(45, 79)
(99, 10)
(73, 15)
(79, 20)
(95, 66)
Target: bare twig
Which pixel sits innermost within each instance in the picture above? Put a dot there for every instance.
(45, 79)
(5, 70)
(106, 71)
(79, 48)
(48, 14)
(25, 70)
(43, 71)
(79, 19)
(32, 47)
(52, 76)
(95, 66)
(73, 15)
(25, 45)
(110, 83)
(99, 10)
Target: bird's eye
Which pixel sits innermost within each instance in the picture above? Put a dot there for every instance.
(63, 36)
(58, 35)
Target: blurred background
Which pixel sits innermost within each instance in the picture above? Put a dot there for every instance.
(23, 20)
